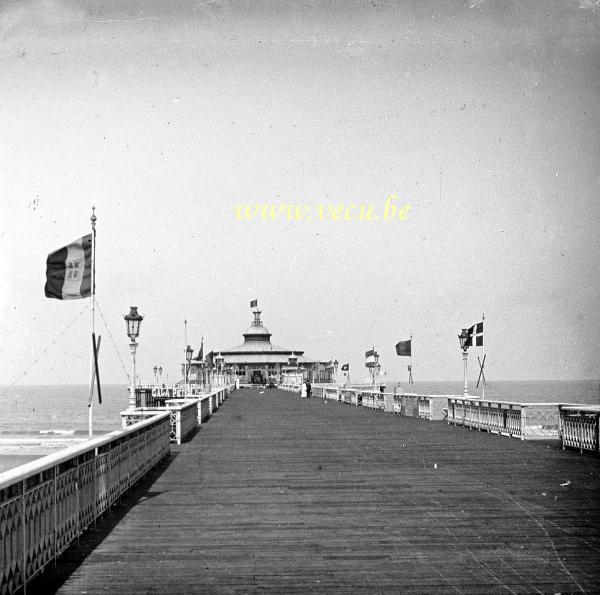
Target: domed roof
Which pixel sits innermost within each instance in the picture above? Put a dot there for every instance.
(257, 330)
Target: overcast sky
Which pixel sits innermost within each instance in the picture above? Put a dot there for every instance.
(482, 115)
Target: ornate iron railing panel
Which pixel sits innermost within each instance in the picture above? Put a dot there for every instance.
(185, 415)
(580, 427)
(47, 503)
(527, 421)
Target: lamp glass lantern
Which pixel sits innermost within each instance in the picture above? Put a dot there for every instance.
(189, 352)
(133, 321)
(463, 339)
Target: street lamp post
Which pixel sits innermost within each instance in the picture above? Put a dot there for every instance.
(133, 321)
(160, 374)
(465, 348)
(155, 375)
(375, 368)
(219, 361)
(335, 369)
(188, 358)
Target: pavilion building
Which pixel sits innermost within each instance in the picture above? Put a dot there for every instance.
(258, 361)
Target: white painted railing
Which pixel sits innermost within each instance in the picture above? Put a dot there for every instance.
(432, 407)
(526, 421)
(579, 427)
(185, 415)
(411, 405)
(47, 503)
(294, 388)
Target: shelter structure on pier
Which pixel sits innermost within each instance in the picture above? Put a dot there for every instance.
(258, 361)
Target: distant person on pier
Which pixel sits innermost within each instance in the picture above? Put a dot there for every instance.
(303, 390)
(308, 389)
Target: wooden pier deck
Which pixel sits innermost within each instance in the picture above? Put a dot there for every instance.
(281, 494)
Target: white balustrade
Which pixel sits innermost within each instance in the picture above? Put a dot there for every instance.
(185, 414)
(46, 504)
(293, 388)
(527, 421)
(579, 427)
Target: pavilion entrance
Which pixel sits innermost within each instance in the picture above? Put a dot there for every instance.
(258, 377)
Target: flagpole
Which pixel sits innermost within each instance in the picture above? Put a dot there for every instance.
(185, 364)
(411, 362)
(92, 323)
(482, 322)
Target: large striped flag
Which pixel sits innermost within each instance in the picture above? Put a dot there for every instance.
(69, 271)
(475, 336)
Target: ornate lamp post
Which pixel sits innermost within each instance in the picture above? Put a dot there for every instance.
(133, 320)
(155, 376)
(375, 368)
(160, 374)
(219, 361)
(188, 358)
(465, 348)
(335, 368)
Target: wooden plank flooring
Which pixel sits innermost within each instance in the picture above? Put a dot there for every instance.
(281, 494)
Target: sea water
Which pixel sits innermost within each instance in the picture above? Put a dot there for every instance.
(528, 391)
(39, 420)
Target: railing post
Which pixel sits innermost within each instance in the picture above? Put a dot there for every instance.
(23, 519)
(561, 430)
(78, 501)
(95, 497)
(523, 421)
(55, 514)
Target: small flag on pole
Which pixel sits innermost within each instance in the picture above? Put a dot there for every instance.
(370, 353)
(201, 353)
(403, 347)
(254, 304)
(475, 336)
(345, 367)
(69, 271)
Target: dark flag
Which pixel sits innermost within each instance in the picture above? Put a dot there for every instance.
(254, 304)
(69, 271)
(345, 367)
(370, 353)
(475, 336)
(403, 347)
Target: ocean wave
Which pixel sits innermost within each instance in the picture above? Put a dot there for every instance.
(59, 432)
(36, 445)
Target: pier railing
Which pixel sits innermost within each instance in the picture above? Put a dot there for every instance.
(579, 427)
(411, 405)
(432, 407)
(294, 388)
(185, 415)
(521, 420)
(46, 504)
